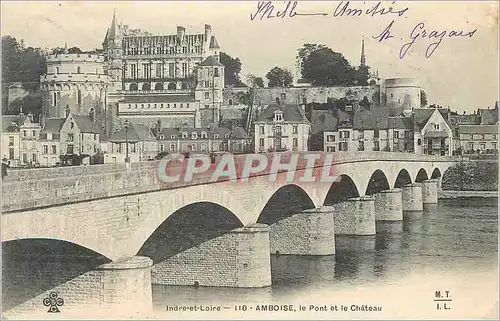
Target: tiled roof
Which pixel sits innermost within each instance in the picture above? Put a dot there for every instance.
(478, 129)
(375, 118)
(157, 99)
(422, 115)
(291, 112)
(10, 123)
(53, 125)
(85, 124)
(323, 120)
(400, 122)
(134, 133)
(489, 116)
(213, 43)
(211, 61)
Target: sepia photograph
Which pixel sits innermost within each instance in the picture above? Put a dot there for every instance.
(250, 160)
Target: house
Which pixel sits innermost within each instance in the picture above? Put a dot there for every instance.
(432, 132)
(282, 127)
(29, 131)
(203, 140)
(79, 137)
(478, 139)
(10, 140)
(142, 144)
(49, 142)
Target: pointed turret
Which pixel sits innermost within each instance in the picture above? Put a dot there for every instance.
(114, 28)
(213, 43)
(363, 57)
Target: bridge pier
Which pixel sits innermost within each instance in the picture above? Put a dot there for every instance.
(355, 216)
(412, 197)
(430, 191)
(389, 205)
(239, 258)
(123, 286)
(310, 232)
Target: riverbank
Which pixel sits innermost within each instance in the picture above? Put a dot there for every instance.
(447, 194)
(472, 176)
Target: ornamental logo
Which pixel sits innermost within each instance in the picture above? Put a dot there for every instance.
(53, 302)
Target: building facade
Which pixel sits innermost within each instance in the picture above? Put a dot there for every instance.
(142, 145)
(10, 140)
(282, 127)
(29, 133)
(175, 78)
(481, 139)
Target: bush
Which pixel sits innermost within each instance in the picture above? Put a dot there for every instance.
(473, 176)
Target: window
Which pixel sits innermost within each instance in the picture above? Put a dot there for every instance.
(133, 71)
(216, 72)
(159, 69)
(95, 136)
(277, 130)
(184, 69)
(295, 142)
(343, 146)
(207, 95)
(172, 136)
(25, 158)
(295, 129)
(376, 133)
(482, 136)
(72, 125)
(436, 126)
(203, 147)
(147, 71)
(70, 138)
(69, 150)
(216, 136)
(230, 101)
(57, 70)
(45, 149)
(344, 134)
(203, 135)
(54, 149)
(11, 153)
(361, 145)
(482, 146)
(175, 105)
(184, 135)
(330, 149)
(25, 133)
(95, 148)
(194, 135)
(494, 146)
(376, 146)
(172, 147)
(79, 97)
(11, 140)
(54, 99)
(193, 147)
(207, 106)
(396, 134)
(330, 138)
(407, 134)
(171, 70)
(278, 116)
(419, 142)
(33, 157)
(261, 142)
(78, 70)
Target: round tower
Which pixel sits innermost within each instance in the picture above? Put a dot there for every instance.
(403, 93)
(76, 82)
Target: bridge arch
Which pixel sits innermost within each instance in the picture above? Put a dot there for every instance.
(284, 202)
(436, 173)
(188, 227)
(378, 182)
(421, 176)
(342, 189)
(402, 179)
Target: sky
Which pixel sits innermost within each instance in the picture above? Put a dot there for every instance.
(462, 72)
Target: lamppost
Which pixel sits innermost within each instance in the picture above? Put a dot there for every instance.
(127, 159)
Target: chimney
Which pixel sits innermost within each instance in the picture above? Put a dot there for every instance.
(181, 31)
(92, 115)
(67, 111)
(42, 120)
(208, 32)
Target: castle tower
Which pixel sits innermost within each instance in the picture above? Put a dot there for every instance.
(112, 46)
(210, 84)
(363, 57)
(75, 82)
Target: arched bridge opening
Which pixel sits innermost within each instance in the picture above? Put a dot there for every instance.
(436, 173)
(402, 179)
(421, 176)
(342, 189)
(378, 182)
(188, 227)
(286, 201)
(32, 267)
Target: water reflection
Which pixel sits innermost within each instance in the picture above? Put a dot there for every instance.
(453, 236)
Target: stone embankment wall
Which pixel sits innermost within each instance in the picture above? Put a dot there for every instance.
(471, 176)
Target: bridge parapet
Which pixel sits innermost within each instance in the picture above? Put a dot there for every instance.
(33, 188)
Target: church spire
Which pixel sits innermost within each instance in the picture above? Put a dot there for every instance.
(114, 27)
(363, 57)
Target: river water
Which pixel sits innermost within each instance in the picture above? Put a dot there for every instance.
(451, 247)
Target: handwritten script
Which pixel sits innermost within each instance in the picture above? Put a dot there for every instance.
(344, 9)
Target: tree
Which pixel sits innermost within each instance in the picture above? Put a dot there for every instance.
(75, 50)
(365, 102)
(255, 81)
(232, 69)
(362, 75)
(324, 67)
(423, 98)
(279, 77)
(304, 53)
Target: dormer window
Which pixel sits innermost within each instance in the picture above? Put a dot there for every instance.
(278, 116)
(203, 135)
(162, 136)
(216, 136)
(184, 135)
(172, 136)
(194, 135)
(227, 136)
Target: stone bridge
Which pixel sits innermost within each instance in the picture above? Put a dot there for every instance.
(203, 232)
